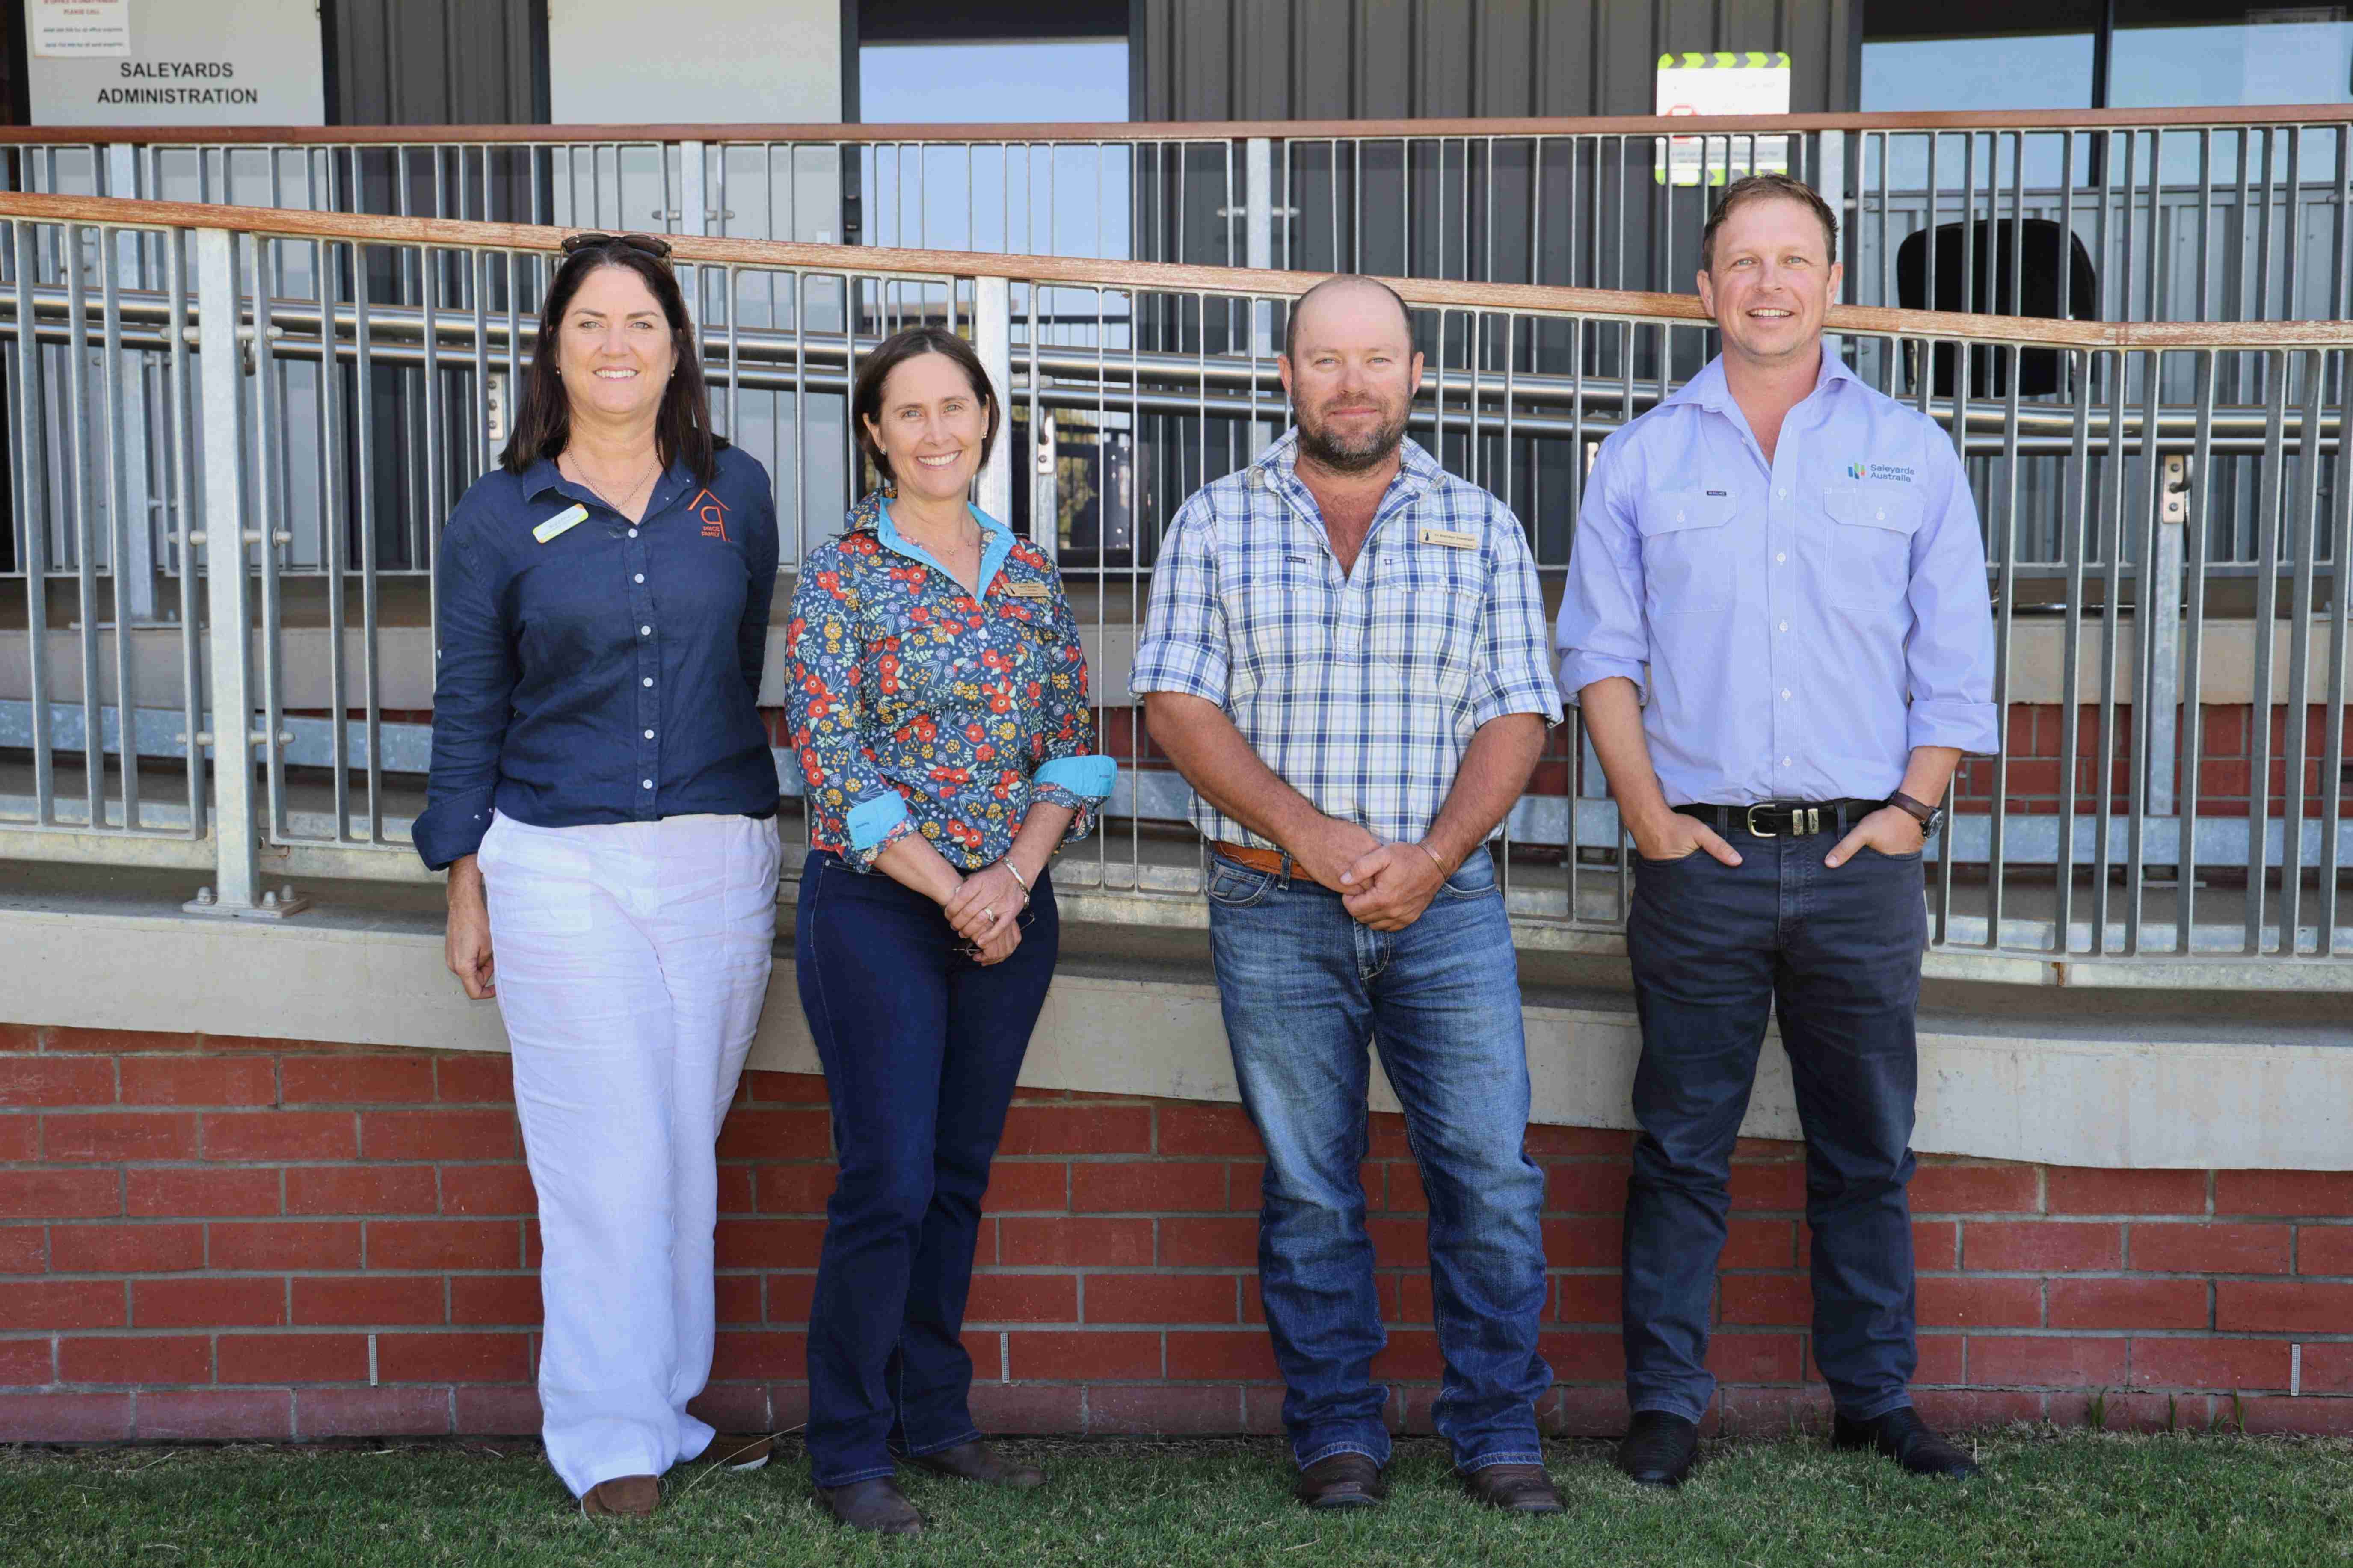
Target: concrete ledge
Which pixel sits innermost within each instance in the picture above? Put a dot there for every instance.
(2120, 1095)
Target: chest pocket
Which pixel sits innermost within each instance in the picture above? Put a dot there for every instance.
(1688, 565)
(1425, 609)
(1278, 615)
(1864, 552)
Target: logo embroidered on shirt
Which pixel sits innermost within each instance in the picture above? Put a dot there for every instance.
(559, 522)
(1856, 471)
(713, 513)
(1895, 471)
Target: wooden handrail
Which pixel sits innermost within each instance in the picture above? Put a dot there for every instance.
(1156, 276)
(2229, 117)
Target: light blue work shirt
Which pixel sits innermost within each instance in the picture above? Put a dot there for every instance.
(1796, 625)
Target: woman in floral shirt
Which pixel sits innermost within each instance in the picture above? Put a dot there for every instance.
(939, 708)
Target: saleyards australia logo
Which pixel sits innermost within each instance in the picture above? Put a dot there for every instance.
(1897, 473)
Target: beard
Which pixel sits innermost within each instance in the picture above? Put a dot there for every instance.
(1350, 454)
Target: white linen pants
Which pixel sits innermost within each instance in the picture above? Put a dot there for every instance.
(630, 961)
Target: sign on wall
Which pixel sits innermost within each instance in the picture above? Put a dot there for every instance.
(1722, 83)
(175, 62)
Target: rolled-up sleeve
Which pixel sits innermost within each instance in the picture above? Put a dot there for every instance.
(824, 709)
(1184, 646)
(1949, 655)
(473, 689)
(1603, 630)
(1072, 774)
(1515, 676)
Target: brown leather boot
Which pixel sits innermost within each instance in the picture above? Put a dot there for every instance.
(630, 1498)
(1341, 1480)
(976, 1461)
(1515, 1488)
(876, 1505)
(736, 1451)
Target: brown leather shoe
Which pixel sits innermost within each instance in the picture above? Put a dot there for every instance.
(626, 1498)
(876, 1505)
(1341, 1480)
(1518, 1489)
(736, 1451)
(976, 1461)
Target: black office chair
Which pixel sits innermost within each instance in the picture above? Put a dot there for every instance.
(1995, 287)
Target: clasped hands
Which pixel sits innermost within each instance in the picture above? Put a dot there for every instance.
(986, 911)
(1385, 886)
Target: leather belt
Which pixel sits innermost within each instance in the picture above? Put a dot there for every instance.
(1273, 862)
(1785, 819)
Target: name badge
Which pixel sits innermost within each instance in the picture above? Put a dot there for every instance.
(1028, 590)
(1453, 539)
(559, 522)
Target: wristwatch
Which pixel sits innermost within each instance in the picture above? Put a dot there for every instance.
(1929, 818)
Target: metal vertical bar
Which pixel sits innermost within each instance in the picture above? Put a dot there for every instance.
(236, 884)
(124, 521)
(2073, 547)
(270, 505)
(180, 419)
(364, 428)
(2153, 689)
(2269, 486)
(992, 339)
(2333, 759)
(2295, 748)
(81, 536)
(2005, 626)
(333, 546)
(1830, 183)
(31, 491)
(2196, 545)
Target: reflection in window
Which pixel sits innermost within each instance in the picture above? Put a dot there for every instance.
(1018, 81)
(2170, 54)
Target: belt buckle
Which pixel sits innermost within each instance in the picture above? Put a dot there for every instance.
(1759, 832)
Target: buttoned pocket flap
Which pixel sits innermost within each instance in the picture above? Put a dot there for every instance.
(1677, 512)
(1895, 508)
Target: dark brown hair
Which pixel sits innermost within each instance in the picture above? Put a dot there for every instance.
(544, 421)
(866, 402)
(1766, 188)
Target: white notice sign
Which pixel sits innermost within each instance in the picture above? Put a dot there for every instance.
(1722, 83)
(62, 29)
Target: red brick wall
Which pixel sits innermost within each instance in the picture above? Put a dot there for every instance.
(207, 1237)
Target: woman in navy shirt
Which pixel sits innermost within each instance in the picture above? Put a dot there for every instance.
(939, 706)
(604, 798)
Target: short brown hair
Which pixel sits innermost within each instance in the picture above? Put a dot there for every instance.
(1766, 188)
(866, 401)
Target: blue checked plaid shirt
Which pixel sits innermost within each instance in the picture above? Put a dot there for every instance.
(1360, 690)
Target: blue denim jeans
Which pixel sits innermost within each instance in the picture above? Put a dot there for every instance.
(1305, 989)
(920, 1046)
(1835, 954)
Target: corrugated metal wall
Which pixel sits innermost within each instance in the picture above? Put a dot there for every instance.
(1338, 59)
(437, 62)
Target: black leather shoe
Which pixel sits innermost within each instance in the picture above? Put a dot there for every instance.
(1515, 1489)
(1341, 1480)
(1659, 1450)
(877, 1505)
(976, 1461)
(1903, 1437)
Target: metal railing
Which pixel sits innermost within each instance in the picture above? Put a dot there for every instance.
(1129, 385)
(2189, 215)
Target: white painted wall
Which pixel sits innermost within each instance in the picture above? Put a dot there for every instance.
(708, 62)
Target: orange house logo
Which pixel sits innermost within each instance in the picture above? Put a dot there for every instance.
(713, 513)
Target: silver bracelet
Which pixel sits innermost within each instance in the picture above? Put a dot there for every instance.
(1021, 880)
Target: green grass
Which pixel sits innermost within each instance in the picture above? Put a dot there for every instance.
(2050, 1501)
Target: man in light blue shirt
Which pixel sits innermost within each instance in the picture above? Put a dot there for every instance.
(1777, 626)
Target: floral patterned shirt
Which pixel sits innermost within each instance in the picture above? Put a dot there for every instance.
(915, 708)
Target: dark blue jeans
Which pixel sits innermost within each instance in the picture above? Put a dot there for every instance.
(1835, 955)
(920, 1046)
(1304, 989)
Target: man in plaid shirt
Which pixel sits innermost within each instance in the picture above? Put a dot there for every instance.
(1345, 655)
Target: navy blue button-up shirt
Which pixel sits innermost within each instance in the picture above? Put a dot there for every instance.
(596, 670)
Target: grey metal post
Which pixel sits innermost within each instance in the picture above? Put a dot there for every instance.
(992, 339)
(1830, 181)
(2161, 603)
(135, 493)
(237, 890)
(1257, 243)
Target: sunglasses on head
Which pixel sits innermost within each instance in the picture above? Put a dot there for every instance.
(645, 244)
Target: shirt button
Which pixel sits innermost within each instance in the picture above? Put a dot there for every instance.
(1679, 516)
(633, 533)
(1779, 556)
(649, 734)
(648, 631)
(1785, 625)
(639, 578)
(1785, 762)
(650, 783)
(1883, 517)
(648, 682)
(1785, 697)
(1785, 495)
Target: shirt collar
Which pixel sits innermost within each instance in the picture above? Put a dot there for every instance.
(995, 539)
(1709, 389)
(543, 477)
(1278, 464)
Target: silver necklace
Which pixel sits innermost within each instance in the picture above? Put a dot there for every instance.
(580, 477)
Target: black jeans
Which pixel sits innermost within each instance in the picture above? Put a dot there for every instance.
(1835, 954)
(920, 1046)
